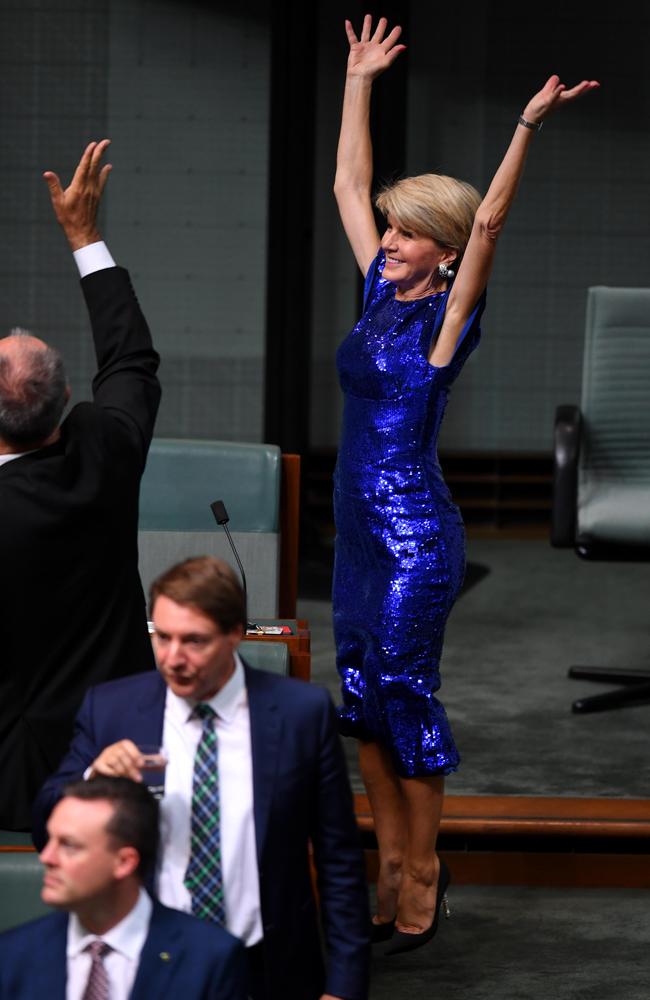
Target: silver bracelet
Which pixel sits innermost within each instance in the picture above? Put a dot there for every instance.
(535, 126)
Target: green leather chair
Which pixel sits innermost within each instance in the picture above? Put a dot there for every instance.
(21, 878)
(601, 500)
(182, 478)
(265, 655)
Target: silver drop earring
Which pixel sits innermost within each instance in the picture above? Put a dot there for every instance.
(445, 272)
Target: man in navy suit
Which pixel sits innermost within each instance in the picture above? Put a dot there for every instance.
(112, 940)
(283, 787)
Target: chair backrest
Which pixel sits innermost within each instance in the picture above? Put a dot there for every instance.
(266, 655)
(614, 469)
(182, 478)
(21, 879)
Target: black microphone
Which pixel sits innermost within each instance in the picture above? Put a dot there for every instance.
(218, 508)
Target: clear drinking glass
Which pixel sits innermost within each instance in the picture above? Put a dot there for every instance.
(153, 768)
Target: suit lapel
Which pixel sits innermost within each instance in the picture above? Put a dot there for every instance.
(162, 953)
(266, 734)
(150, 710)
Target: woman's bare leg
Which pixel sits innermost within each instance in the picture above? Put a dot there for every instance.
(422, 799)
(384, 790)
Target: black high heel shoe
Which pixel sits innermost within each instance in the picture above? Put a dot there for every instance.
(402, 942)
(379, 933)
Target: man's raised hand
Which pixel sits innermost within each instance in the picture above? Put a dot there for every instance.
(76, 206)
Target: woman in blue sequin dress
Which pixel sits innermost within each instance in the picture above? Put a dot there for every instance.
(400, 551)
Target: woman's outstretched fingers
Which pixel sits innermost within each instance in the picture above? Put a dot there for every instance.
(350, 32)
(585, 87)
(553, 94)
(389, 43)
(379, 30)
(366, 28)
(372, 54)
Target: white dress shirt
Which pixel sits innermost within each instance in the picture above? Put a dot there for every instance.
(181, 735)
(93, 257)
(126, 940)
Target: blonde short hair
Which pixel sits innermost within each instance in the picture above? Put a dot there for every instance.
(433, 205)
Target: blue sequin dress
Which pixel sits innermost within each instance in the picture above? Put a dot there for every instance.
(400, 543)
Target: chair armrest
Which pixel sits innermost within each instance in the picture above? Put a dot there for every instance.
(568, 430)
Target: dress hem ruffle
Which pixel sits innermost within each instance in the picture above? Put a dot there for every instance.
(354, 729)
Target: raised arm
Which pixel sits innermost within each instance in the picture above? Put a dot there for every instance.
(369, 57)
(125, 383)
(490, 218)
(76, 206)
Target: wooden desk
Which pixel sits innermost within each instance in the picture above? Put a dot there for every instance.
(299, 643)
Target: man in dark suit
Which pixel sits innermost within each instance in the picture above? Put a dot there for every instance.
(282, 786)
(112, 940)
(72, 611)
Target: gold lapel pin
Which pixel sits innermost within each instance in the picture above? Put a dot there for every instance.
(165, 956)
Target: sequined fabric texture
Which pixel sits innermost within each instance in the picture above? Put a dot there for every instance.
(400, 545)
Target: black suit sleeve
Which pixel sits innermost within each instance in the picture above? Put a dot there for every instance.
(125, 385)
(82, 752)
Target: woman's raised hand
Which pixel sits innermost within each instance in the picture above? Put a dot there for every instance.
(554, 95)
(371, 54)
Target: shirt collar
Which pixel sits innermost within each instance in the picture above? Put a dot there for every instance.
(19, 454)
(225, 702)
(127, 937)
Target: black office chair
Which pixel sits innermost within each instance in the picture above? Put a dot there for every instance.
(601, 489)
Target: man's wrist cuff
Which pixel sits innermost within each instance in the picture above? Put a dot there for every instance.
(91, 258)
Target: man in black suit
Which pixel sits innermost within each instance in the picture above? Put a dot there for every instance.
(72, 611)
(283, 792)
(102, 839)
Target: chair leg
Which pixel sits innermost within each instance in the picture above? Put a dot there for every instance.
(635, 689)
(610, 675)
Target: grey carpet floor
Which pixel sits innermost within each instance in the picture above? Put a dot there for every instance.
(527, 944)
(509, 642)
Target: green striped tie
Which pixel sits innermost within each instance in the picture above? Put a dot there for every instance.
(204, 877)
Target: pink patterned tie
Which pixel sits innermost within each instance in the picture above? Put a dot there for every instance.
(97, 987)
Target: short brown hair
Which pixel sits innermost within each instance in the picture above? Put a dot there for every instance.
(433, 205)
(210, 585)
(134, 822)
